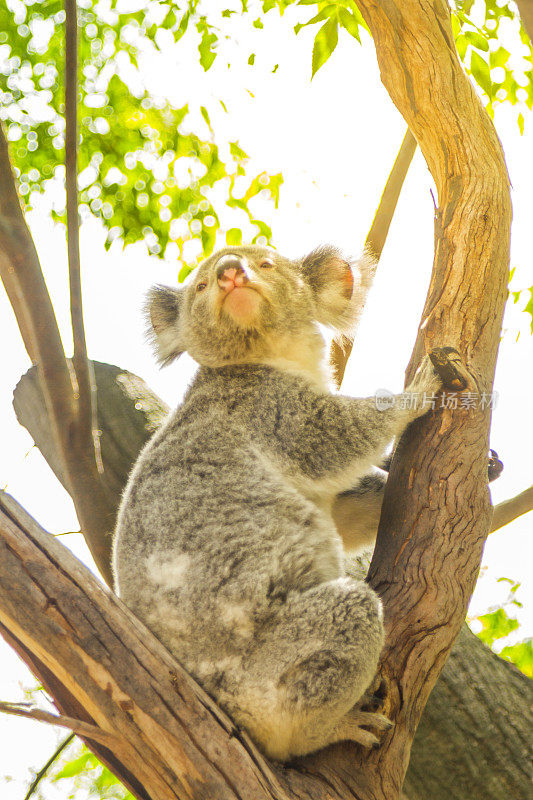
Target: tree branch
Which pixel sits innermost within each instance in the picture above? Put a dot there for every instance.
(525, 9)
(24, 282)
(510, 509)
(376, 238)
(474, 737)
(77, 726)
(23, 279)
(44, 769)
(86, 428)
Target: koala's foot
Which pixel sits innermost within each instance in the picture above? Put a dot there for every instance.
(353, 727)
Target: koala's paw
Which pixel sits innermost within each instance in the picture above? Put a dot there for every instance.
(426, 383)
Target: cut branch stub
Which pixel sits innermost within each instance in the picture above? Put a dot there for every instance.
(129, 412)
(449, 367)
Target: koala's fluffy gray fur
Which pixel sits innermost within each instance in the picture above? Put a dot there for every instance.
(225, 545)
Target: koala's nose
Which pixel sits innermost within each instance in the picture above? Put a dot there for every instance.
(230, 261)
(230, 271)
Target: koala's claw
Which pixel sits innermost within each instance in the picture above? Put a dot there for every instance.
(495, 466)
(357, 722)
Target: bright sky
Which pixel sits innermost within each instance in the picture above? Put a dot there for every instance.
(334, 140)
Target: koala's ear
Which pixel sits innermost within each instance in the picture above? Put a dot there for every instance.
(164, 306)
(331, 278)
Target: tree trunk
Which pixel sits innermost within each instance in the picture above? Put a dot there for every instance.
(474, 738)
(168, 735)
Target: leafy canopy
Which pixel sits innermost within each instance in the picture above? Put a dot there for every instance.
(144, 169)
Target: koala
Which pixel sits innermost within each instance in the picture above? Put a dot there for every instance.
(226, 544)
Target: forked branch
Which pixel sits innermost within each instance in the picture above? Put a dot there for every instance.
(377, 236)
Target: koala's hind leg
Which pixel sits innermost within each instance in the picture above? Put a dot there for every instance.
(314, 665)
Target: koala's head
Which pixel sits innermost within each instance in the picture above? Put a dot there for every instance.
(250, 304)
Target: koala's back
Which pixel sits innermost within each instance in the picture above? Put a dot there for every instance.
(211, 537)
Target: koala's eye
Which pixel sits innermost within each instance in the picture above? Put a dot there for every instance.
(201, 286)
(266, 264)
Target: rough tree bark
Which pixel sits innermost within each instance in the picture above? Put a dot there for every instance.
(436, 512)
(474, 738)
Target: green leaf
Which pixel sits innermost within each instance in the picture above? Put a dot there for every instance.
(349, 23)
(499, 57)
(207, 56)
(529, 308)
(182, 27)
(251, 59)
(481, 73)
(520, 121)
(205, 115)
(184, 273)
(477, 40)
(233, 237)
(324, 45)
(237, 152)
(462, 45)
(329, 11)
(496, 625)
(521, 655)
(75, 767)
(456, 25)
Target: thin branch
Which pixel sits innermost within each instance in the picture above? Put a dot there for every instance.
(18, 306)
(86, 393)
(44, 769)
(525, 9)
(24, 282)
(511, 509)
(377, 236)
(80, 728)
